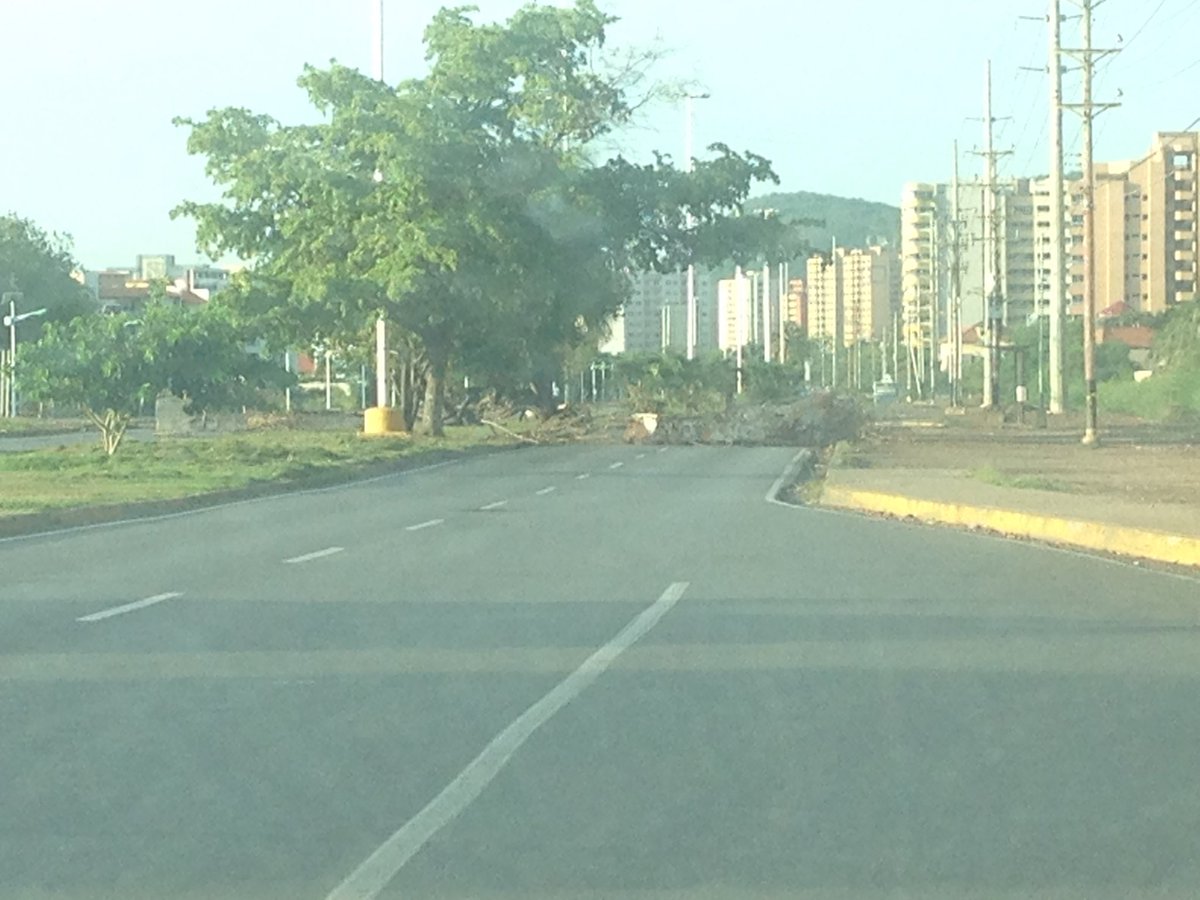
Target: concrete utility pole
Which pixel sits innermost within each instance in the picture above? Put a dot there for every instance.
(935, 290)
(1057, 266)
(955, 289)
(994, 290)
(1088, 109)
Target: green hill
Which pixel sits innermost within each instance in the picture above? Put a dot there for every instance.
(855, 223)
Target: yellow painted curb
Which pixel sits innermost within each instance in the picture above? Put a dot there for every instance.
(1141, 543)
(382, 420)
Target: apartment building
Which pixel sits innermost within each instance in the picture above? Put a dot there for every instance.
(655, 316)
(928, 253)
(1146, 228)
(851, 294)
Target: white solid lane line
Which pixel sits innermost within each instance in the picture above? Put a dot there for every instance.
(423, 525)
(496, 505)
(372, 876)
(128, 607)
(616, 465)
(319, 554)
(546, 490)
(584, 477)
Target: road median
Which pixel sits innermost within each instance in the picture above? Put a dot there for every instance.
(1102, 537)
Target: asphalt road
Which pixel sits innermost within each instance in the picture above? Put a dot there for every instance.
(588, 672)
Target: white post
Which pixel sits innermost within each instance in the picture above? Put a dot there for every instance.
(12, 358)
(740, 282)
(766, 312)
(287, 393)
(381, 360)
(783, 299)
(689, 153)
(328, 381)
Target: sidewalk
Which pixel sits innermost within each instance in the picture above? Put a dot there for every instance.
(1138, 495)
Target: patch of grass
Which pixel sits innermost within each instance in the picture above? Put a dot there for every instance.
(849, 455)
(81, 475)
(27, 425)
(992, 475)
(1165, 397)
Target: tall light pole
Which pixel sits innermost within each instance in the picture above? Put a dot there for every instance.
(689, 153)
(10, 322)
(382, 400)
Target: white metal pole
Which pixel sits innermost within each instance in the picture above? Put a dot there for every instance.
(328, 381)
(781, 353)
(688, 154)
(12, 359)
(740, 282)
(766, 312)
(381, 360)
(287, 393)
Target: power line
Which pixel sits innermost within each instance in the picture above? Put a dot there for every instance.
(1137, 34)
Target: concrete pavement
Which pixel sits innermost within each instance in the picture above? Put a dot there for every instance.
(832, 707)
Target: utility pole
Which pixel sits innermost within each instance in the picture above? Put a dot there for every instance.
(689, 153)
(994, 287)
(955, 289)
(1087, 55)
(1057, 266)
(935, 272)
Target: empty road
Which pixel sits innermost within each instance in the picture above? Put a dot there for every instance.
(588, 672)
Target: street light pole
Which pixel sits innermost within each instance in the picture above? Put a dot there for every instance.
(382, 399)
(689, 154)
(11, 321)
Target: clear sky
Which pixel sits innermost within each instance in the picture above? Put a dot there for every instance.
(849, 97)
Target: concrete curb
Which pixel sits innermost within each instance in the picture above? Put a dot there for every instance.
(1159, 546)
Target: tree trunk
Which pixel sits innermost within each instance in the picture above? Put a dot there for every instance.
(112, 429)
(435, 394)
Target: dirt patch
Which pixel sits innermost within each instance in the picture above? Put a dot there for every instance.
(1136, 462)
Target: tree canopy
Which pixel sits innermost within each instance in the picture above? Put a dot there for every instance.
(111, 367)
(469, 207)
(39, 265)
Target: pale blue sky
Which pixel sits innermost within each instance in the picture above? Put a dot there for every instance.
(853, 97)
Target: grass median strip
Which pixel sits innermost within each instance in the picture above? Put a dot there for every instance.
(50, 480)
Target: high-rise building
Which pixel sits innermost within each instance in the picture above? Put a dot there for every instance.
(851, 295)
(1146, 228)
(655, 316)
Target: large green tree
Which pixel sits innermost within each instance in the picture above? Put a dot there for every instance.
(468, 207)
(39, 265)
